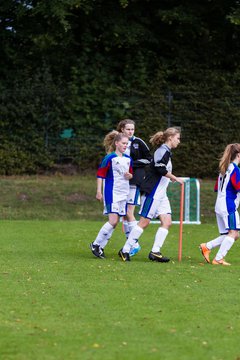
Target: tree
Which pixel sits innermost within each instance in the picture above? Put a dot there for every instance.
(86, 64)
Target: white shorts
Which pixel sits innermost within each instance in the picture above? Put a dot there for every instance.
(134, 195)
(228, 222)
(119, 207)
(152, 208)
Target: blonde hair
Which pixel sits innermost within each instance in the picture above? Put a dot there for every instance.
(228, 156)
(110, 139)
(121, 125)
(161, 137)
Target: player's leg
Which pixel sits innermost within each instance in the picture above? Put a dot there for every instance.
(228, 241)
(160, 237)
(165, 217)
(105, 233)
(147, 211)
(132, 222)
(125, 226)
(133, 201)
(133, 238)
(206, 248)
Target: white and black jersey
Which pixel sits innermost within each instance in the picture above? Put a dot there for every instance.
(141, 157)
(155, 181)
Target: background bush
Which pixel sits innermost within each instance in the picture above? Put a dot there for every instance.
(84, 65)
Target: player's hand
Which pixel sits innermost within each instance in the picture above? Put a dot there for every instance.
(179, 180)
(128, 176)
(99, 196)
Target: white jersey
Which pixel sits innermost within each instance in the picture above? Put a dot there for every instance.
(228, 188)
(112, 170)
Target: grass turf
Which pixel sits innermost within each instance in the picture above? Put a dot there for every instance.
(62, 197)
(60, 302)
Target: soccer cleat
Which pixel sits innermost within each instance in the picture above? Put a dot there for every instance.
(157, 256)
(135, 250)
(220, 262)
(97, 251)
(205, 252)
(124, 256)
(101, 253)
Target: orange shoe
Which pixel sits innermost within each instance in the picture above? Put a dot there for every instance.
(205, 252)
(220, 262)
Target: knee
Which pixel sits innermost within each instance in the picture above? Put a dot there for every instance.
(130, 215)
(113, 223)
(169, 224)
(166, 224)
(166, 221)
(234, 234)
(143, 223)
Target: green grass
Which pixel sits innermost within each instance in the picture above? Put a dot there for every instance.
(49, 197)
(59, 302)
(207, 201)
(68, 198)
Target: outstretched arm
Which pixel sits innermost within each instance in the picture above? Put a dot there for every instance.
(173, 178)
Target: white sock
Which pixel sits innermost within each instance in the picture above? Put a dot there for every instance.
(215, 242)
(104, 235)
(126, 228)
(132, 239)
(160, 237)
(131, 226)
(104, 243)
(225, 247)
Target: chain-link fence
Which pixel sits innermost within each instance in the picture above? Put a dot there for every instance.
(208, 122)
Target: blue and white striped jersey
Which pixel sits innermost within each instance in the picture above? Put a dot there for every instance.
(228, 188)
(112, 170)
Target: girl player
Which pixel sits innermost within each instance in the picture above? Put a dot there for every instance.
(154, 201)
(139, 152)
(113, 176)
(228, 189)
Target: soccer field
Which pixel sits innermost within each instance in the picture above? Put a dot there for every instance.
(59, 302)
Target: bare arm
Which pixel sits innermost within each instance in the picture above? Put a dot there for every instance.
(99, 189)
(173, 178)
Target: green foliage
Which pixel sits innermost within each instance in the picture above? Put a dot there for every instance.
(202, 105)
(32, 113)
(86, 64)
(14, 161)
(234, 17)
